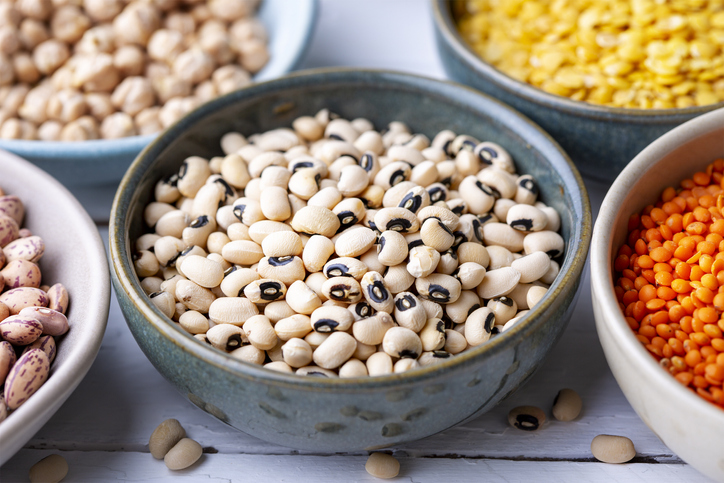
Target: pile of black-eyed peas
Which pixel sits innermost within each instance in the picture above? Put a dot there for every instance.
(333, 249)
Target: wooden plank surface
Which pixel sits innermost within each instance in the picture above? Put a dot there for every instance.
(103, 428)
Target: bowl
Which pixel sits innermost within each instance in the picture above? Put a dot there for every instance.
(601, 140)
(658, 398)
(74, 256)
(333, 415)
(289, 24)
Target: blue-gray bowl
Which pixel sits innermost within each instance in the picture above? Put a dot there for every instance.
(601, 140)
(289, 23)
(361, 413)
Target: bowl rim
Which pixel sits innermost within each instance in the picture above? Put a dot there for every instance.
(444, 25)
(59, 150)
(602, 284)
(64, 379)
(125, 277)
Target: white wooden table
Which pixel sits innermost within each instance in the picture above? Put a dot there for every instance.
(103, 428)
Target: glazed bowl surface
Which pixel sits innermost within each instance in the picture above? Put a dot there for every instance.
(289, 23)
(74, 256)
(361, 413)
(600, 140)
(695, 434)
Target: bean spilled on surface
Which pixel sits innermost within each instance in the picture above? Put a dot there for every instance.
(612, 449)
(382, 465)
(333, 249)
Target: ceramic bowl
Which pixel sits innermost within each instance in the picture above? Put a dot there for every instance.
(290, 25)
(351, 414)
(74, 256)
(695, 433)
(601, 140)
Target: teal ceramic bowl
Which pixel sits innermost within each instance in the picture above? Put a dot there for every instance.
(290, 24)
(334, 415)
(601, 140)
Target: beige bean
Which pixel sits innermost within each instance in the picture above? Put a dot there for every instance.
(259, 331)
(479, 325)
(335, 350)
(402, 342)
(297, 352)
(165, 437)
(315, 220)
(397, 279)
(381, 465)
(354, 242)
(353, 368)
(295, 326)
(423, 261)
(19, 298)
(379, 364)
(184, 454)
(52, 468)
(535, 294)
(532, 267)
(567, 405)
(371, 331)
(409, 311)
(499, 257)
(316, 253)
(303, 299)
(612, 449)
(546, 241)
(455, 342)
(26, 376)
(277, 310)
(503, 235)
(342, 289)
(279, 366)
(316, 371)
(498, 282)
(331, 319)
(226, 337)
(194, 322)
(459, 310)
(202, 271)
(504, 309)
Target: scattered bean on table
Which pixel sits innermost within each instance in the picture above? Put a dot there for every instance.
(31, 315)
(382, 465)
(643, 54)
(51, 469)
(333, 249)
(670, 280)
(612, 449)
(114, 68)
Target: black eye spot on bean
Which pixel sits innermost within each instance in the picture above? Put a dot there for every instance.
(202, 220)
(446, 147)
(526, 422)
(380, 244)
(489, 322)
(523, 224)
(301, 164)
(228, 190)
(363, 309)
(411, 202)
(397, 177)
(407, 353)
(173, 259)
(336, 136)
(270, 290)
(367, 162)
(529, 184)
(346, 219)
(486, 189)
(182, 171)
(399, 224)
(554, 253)
(238, 211)
(440, 354)
(325, 325)
(447, 181)
(155, 294)
(377, 292)
(186, 251)
(233, 342)
(337, 270)
(230, 270)
(405, 303)
(171, 180)
(468, 145)
(459, 209)
(487, 154)
(436, 292)
(437, 194)
(280, 261)
(473, 308)
(505, 301)
(414, 243)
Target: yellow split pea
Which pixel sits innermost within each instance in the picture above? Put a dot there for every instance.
(642, 54)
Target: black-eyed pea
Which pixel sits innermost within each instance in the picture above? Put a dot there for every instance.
(554, 219)
(393, 173)
(495, 155)
(235, 171)
(457, 206)
(192, 175)
(527, 418)
(498, 282)
(231, 142)
(404, 365)
(397, 279)
(369, 258)
(499, 257)
(166, 190)
(467, 163)
(479, 326)
(145, 241)
(295, 326)
(470, 275)
(345, 267)
(434, 154)
(275, 204)
(277, 310)
(239, 231)
(437, 192)
(259, 332)
(303, 300)
(167, 249)
(369, 161)
(520, 295)
(423, 261)
(304, 183)
(250, 354)
(21, 273)
(360, 310)
(342, 289)
(499, 180)
(612, 449)
(527, 191)
(504, 235)
(315, 281)
(286, 269)
(355, 241)
(353, 368)
(265, 290)
(376, 292)
(165, 302)
(379, 364)
(364, 351)
(433, 357)
(409, 312)
(502, 206)
(526, 218)
(436, 235)
(248, 210)
(335, 350)
(440, 211)
(193, 296)
(25, 377)
(567, 405)
(326, 198)
(282, 244)
(353, 180)
(242, 252)
(392, 248)
(308, 128)
(275, 176)
(201, 270)
(19, 298)
(535, 294)
(226, 337)
(263, 228)
(401, 342)
(194, 322)
(425, 173)
(432, 335)
(549, 277)
(455, 342)
(432, 309)
(315, 339)
(332, 319)
(280, 139)
(459, 311)
(316, 371)
(349, 211)
(439, 288)
(297, 352)
(185, 204)
(315, 220)
(371, 331)
(316, 253)
(546, 241)
(30, 248)
(198, 230)
(183, 454)
(394, 195)
(448, 262)
(532, 267)
(479, 197)
(279, 366)
(504, 309)
(236, 279)
(187, 252)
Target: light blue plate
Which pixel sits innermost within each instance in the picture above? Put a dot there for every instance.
(289, 23)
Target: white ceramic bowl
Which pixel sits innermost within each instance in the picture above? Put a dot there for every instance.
(689, 425)
(74, 256)
(290, 24)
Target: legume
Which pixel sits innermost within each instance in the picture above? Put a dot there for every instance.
(643, 54)
(612, 449)
(31, 314)
(51, 469)
(669, 281)
(346, 275)
(381, 465)
(99, 69)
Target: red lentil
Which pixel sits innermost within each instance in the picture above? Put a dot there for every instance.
(670, 281)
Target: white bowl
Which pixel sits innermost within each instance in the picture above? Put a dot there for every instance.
(289, 24)
(74, 256)
(689, 425)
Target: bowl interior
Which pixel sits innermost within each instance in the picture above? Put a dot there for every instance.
(74, 256)
(427, 107)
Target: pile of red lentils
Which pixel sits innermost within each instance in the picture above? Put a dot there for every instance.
(670, 281)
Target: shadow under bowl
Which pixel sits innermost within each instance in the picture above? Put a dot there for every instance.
(684, 421)
(337, 414)
(600, 139)
(104, 161)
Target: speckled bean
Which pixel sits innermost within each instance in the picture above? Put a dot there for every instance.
(54, 323)
(30, 248)
(26, 376)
